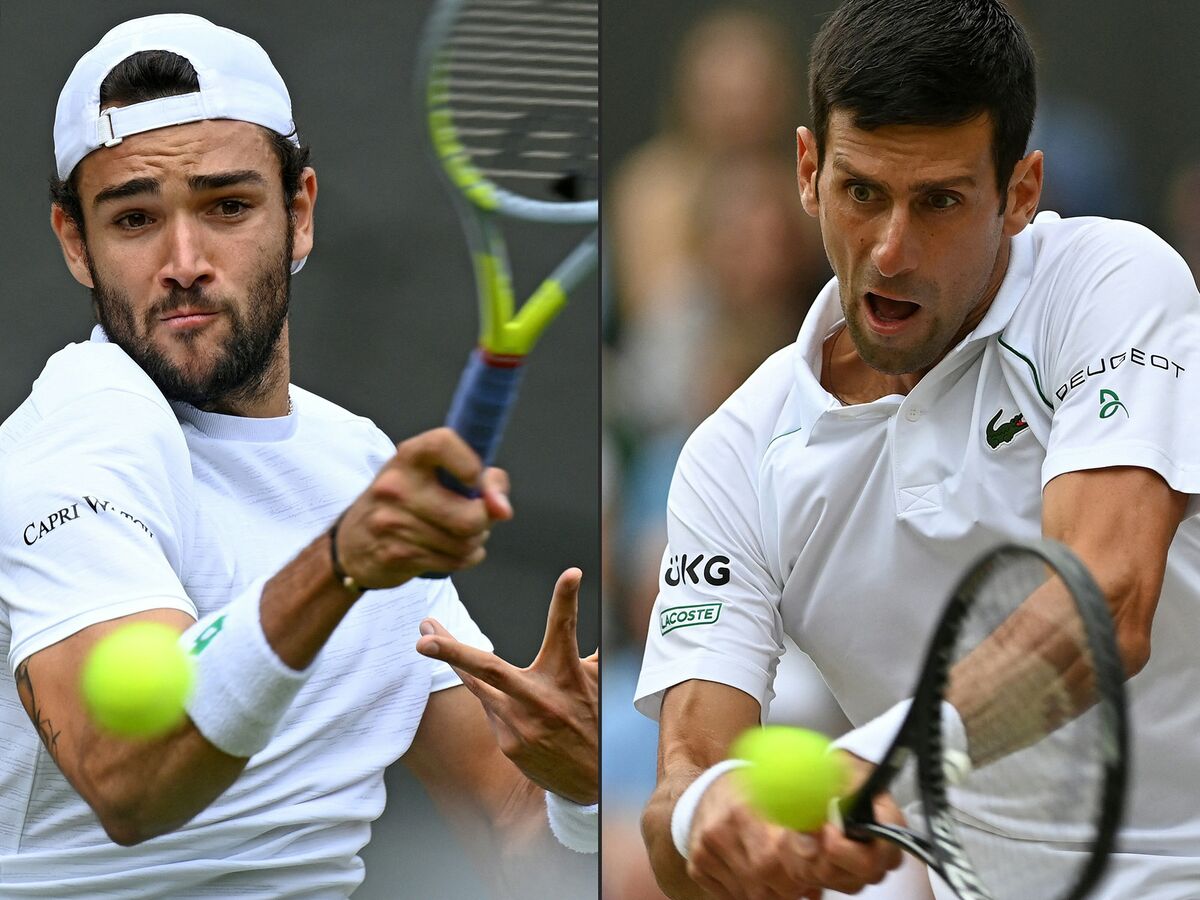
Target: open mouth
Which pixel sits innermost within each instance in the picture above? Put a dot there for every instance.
(887, 315)
(889, 309)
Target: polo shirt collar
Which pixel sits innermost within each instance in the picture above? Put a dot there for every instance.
(823, 317)
(1012, 289)
(826, 315)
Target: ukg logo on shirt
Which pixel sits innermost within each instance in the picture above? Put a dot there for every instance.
(692, 568)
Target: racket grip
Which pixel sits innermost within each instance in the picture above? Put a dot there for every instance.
(485, 394)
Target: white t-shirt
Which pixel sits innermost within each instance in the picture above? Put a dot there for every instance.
(114, 501)
(846, 527)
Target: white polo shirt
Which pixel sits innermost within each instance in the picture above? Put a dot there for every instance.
(846, 527)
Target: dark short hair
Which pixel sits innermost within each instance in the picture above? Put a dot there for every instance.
(151, 75)
(927, 62)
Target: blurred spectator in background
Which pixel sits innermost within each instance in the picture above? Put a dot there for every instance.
(755, 260)
(734, 89)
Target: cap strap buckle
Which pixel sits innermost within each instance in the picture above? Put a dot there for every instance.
(119, 122)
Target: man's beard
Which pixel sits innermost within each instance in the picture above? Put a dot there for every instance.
(242, 364)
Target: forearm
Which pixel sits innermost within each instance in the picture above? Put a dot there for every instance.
(498, 813)
(1036, 665)
(142, 788)
(507, 837)
(303, 604)
(1120, 522)
(697, 724)
(670, 869)
(138, 788)
(530, 860)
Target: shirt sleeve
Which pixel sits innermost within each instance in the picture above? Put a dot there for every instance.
(95, 504)
(1124, 347)
(448, 609)
(717, 613)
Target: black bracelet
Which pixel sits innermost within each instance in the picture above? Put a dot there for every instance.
(339, 573)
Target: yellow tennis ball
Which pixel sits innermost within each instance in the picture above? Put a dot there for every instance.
(137, 679)
(791, 777)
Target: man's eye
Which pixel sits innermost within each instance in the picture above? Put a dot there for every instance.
(943, 201)
(232, 207)
(134, 221)
(860, 193)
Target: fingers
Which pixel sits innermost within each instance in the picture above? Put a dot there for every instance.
(547, 728)
(847, 865)
(493, 490)
(442, 448)
(407, 522)
(560, 645)
(717, 859)
(457, 533)
(736, 854)
(479, 669)
(383, 545)
(559, 652)
(415, 491)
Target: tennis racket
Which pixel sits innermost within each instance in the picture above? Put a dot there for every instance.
(1026, 654)
(510, 91)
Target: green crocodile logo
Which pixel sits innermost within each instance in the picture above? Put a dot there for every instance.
(1006, 432)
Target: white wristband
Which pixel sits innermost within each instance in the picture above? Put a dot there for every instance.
(242, 687)
(577, 827)
(689, 801)
(872, 740)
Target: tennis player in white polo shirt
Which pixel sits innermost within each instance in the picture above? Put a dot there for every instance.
(166, 470)
(975, 372)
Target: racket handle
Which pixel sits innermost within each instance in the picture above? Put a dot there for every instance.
(485, 394)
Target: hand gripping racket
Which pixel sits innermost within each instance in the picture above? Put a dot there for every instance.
(510, 89)
(1022, 790)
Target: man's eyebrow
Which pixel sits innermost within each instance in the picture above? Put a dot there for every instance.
(221, 180)
(843, 164)
(130, 188)
(921, 187)
(941, 184)
(197, 183)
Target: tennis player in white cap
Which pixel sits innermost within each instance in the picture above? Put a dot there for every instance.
(166, 470)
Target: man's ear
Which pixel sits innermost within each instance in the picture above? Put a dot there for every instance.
(807, 167)
(302, 208)
(1024, 193)
(74, 249)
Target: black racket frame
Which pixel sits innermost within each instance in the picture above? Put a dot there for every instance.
(921, 734)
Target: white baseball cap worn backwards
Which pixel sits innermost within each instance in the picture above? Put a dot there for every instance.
(237, 81)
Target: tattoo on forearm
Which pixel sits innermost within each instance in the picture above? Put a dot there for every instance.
(45, 728)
